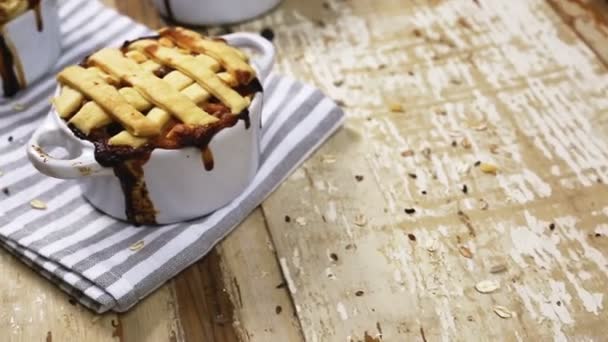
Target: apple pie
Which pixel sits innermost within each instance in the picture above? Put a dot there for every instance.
(170, 91)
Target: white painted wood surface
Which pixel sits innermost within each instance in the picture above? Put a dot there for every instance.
(508, 83)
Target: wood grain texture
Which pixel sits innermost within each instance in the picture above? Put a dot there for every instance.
(154, 319)
(589, 19)
(235, 292)
(392, 223)
(384, 215)
(33, 309)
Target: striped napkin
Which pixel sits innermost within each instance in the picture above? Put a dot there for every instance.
(86, 253)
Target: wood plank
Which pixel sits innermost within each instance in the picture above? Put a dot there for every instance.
(509, 79)
(33, 309)
(262, 306)
(232, 294)
(589, 19)
(153, 319)
(526, 93)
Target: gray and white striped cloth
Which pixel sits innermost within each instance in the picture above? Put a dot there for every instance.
(87, 253)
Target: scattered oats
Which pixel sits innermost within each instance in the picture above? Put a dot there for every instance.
(338, 83)
(483, 204)
(465, 143)
(487, 286)
(396, 107)
(432, 245)
(426, 152)
(481, 126)
(137, 246)
(502, 312)
(360, 220)
(488, 168)
(498, 268)
(38, 204)
(328, 159)
(493, 148)
(464, 23)
(18, 106)
(301, 221)
(407, 153)
(465, 252)
(455, 134)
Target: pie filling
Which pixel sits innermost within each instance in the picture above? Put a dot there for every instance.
(170, 91)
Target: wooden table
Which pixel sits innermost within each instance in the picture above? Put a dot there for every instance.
(394, 222)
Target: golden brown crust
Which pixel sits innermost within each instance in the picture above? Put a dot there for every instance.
(150, 81)
(107, 97)
(229, 57)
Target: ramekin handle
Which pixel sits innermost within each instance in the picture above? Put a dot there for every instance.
(81, 155)
(265, 60)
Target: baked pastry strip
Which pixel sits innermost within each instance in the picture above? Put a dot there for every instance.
(89, 117)
(68, 101)
(107, 97)
(151, 87)
(230, 58)
(195, 92)
(189, 66)
(93, 116)
(130, 94)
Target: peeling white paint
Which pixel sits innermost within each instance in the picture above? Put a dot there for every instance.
(290, 284)
(330, 213)
(342, 311)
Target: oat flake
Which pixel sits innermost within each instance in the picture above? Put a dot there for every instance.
(502, 311)
(483, 204)
(481, 126)
(487, 286)
(407, 153)
(465, 143)
(396, 107)
(328, 159)
(137, 246)
(465, 252)
(498, 268)
(488, 168)
(360, 220)
(432, 245)
(38, 204)
(301, 221)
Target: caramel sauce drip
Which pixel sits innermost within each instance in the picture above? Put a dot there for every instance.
(10, 81)
(138, 206)
(11, 70)
(169, 10)
(35, 5)
(207, 157)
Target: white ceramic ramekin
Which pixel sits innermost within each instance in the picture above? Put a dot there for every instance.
(178, 184)
(35, 37)
(211, 12)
